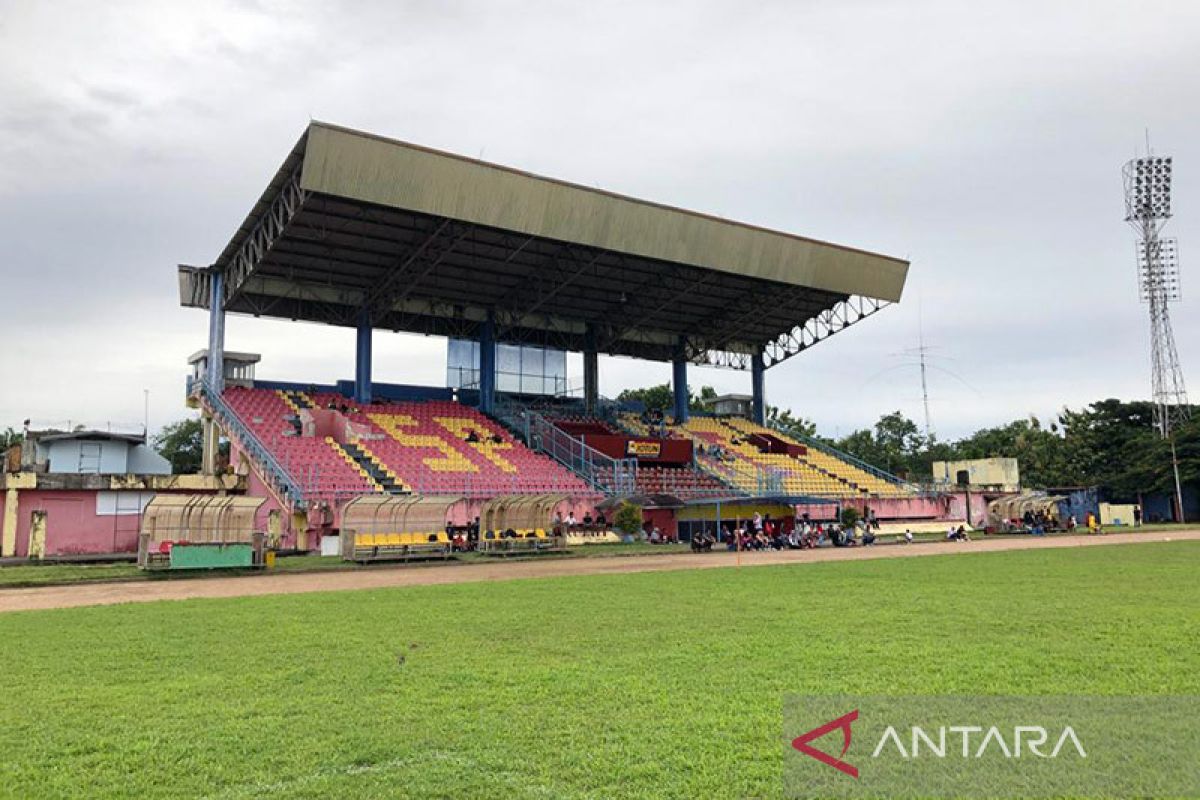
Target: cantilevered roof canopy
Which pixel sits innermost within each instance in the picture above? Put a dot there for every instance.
(432, 242)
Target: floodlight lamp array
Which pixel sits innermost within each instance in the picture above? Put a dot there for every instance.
(1148, 188)
(1158, 270)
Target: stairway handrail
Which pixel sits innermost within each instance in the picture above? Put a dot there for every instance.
(581, 459)
(828, 449)
(251, 443)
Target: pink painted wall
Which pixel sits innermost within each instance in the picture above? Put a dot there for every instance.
(817, 512)
(72, 525)
(256, 487)
(939, 507)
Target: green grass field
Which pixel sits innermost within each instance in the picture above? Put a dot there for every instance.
(650, 685)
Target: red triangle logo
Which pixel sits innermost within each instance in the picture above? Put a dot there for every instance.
(801, 743)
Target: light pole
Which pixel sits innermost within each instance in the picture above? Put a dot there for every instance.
(1147, 209)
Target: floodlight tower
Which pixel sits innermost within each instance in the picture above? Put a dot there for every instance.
(1147, 209)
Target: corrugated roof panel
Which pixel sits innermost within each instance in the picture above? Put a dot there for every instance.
(367, 168)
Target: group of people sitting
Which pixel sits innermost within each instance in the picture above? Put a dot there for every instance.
(342, 407)
(563, 524)
(713, 451)
(763, 533)
(657, 536)
(655, 423)
(465, 538)
(473, 437)
(958, 534)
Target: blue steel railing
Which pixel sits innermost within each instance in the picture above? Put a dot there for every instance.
(744, 477)
(275, 472)
(610, 475)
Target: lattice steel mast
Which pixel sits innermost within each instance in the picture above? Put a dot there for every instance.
(1147, 209)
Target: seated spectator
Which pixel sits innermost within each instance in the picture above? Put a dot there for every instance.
(808, 537)
(655, 535)
(702, 542)
(600, 520)
(743, 539)
(958, 534)
(868, 537)
(587, 519)
(497, 439)
(908, 536)
(571, 520)
(471, 436)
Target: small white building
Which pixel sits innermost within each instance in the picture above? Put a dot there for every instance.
(92, 452)
(239, 367)
(1001, 474)
(731, 405)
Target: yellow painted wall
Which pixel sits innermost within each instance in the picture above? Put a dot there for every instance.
(1002, 472)
(8, 534)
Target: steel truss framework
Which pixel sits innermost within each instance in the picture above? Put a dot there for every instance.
(1148, 207)
(303, 255)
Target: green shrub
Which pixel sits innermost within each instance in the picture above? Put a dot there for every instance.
(628, 519)
(850, 517)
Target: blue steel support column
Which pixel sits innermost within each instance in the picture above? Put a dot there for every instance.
(487, 364)
(362, 359)
(758, 406)
(591, 373)
(216, 332)
(679, 380)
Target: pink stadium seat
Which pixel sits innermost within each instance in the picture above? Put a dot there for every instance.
(424, 444)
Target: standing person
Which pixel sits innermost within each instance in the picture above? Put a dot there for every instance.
(1137, 516)
(757, 523)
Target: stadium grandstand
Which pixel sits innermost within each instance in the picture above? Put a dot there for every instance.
(360, 231)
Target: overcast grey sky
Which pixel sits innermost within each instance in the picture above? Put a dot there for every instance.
(983, 141)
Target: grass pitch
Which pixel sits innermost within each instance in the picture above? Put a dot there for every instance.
(647, 685)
